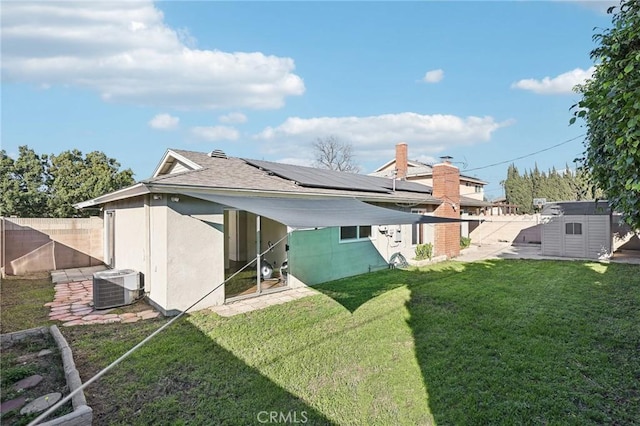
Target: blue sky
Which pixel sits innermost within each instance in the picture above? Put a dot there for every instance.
(480, 81)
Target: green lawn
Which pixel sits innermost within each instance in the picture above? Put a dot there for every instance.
(495, 342)
(23, 300)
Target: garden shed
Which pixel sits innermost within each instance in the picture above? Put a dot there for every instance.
(580, 229)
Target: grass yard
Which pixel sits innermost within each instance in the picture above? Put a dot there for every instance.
(23, 300)
(494, 342)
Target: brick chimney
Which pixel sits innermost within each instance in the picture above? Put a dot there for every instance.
(401, 161)
(446, 187)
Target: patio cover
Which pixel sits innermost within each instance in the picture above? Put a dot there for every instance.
(305, 213)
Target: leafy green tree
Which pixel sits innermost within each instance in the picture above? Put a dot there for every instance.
(24, 191)
(47, 186)
(518, 190)
(76, 178)
(570, 186)
(9, 186)
(610, 106)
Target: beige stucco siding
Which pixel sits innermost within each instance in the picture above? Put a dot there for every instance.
(195, 253)
(156, 285)
(129, 234)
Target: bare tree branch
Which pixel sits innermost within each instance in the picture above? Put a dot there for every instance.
(333, 154)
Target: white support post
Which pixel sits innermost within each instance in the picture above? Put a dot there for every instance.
(258, 257)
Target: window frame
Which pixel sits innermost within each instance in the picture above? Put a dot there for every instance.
(573, 228)
(417, 229)
(358, 237)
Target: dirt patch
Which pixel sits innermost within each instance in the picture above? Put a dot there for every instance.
(37, 354)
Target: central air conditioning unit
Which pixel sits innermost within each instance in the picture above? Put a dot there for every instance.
(116, 287)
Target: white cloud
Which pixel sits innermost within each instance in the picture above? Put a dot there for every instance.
(215, 133)
(597, 5)
(374, 137)
(233, 118)
(164, 122)
(127, 53)
(433, 76)
(561, 84)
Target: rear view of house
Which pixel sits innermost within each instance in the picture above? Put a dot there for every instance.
(202, 217)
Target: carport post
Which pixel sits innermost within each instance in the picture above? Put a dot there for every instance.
(258, 260)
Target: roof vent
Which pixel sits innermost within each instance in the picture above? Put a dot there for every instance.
(217, 153)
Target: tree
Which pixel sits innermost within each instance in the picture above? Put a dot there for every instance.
(48, 185)
(610, 106)
(332, 154)
(9, 186)
(521, 190)
(24, 191)
(75, 178)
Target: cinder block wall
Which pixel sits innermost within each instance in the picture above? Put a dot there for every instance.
(517, 229)
(42, 244)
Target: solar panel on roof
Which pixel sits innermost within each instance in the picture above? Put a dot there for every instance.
(309, 176)
(322, 178)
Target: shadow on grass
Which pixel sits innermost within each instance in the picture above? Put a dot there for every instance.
(516, 341)
(180, 377)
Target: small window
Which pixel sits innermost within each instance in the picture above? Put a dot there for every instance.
(348, 233)
(355, 233)
(417, 229)
(417, 234)
(478, 188)
(573, 228)
(365, 232)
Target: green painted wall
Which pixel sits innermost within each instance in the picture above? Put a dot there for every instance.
(317, 256)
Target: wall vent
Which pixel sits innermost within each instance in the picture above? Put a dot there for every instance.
(217, 153)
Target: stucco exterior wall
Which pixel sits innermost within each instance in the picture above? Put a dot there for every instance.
(156, 279)
(129, 234)
(195, 253)
(317, 256)
(385, 240)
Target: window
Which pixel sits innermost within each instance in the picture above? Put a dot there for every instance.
(417, 234)
(573, 228)
(478, 188)
(355, 233)
(417, 229)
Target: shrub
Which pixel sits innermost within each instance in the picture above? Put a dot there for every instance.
(465, 242)
(424, 251)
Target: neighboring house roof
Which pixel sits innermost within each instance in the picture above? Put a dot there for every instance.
(577, 208)
(419, 169)
(182, 169)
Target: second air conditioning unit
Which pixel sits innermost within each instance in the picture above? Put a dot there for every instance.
(116, 287)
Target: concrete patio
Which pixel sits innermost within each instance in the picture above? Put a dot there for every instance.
(533, 251)
(263, 301)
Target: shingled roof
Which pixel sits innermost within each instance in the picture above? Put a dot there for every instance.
(216, 171)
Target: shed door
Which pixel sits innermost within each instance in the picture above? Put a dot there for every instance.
(552, 236)
(575, 240)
